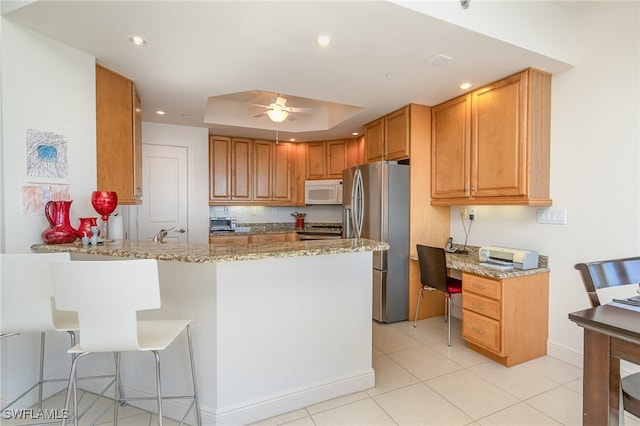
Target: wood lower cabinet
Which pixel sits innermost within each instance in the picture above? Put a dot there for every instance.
(228, 240)
(118, 136)
(492, 146)
(506, 319)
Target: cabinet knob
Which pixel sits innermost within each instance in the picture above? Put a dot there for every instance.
(478, 330)
(480, 286)
(478, 306)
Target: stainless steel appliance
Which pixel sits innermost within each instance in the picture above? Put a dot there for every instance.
(222, 224)
(376, 207)
(321, 232)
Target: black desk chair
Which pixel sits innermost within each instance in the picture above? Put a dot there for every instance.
(612, 273)
(433, 276)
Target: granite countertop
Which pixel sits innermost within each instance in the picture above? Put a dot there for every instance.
(205, 253)
(470, 262)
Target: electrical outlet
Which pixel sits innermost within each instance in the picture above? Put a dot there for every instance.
(463, 213)
(472, 214)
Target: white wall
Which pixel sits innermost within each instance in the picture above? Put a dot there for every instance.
(49, 87)
(595, 152)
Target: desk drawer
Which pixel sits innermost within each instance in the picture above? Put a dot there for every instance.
(481, 330)
(481, 285)
(481, 305)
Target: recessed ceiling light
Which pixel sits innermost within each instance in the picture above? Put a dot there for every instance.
(292, 140)
(354, 134)
(137, 40)
(465, 86)
(160, 112)
(390, 75)
(323, 40)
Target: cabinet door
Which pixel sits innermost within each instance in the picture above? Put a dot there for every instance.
(450, 148)
(315, 160)
(219, 169)
(137, 145)
(281, 172)
(262, 170)
(498, 154)
(355, 152)
(374, 141)
(118, 168)
(396, 131)
(241, 170)
(336, 160)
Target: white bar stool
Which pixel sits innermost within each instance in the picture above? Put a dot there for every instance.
(27, 306)
(106, 295)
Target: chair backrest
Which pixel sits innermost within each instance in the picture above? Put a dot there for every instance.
(608, 273)
(107, 295)
(433, 267)
(26, 292)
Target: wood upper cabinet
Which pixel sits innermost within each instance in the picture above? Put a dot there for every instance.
(118, 136)
(326, 160)
(493, 145)
(355, 152)
(374, 141)
(388, 137)
(229, 169)
(272, 172)
(396, 134)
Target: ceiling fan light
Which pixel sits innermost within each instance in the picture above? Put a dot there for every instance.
(277, 115)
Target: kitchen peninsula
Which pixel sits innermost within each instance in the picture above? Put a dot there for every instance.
(277, 326)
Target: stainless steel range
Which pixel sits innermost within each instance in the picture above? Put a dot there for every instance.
(321, 232)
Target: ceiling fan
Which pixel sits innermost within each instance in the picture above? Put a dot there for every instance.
(278, 111)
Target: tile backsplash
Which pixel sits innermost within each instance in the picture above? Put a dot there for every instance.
(268, 214)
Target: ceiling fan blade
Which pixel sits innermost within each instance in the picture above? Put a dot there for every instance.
(291, 118)
(303, 110)
(258, 105)
(260, 115)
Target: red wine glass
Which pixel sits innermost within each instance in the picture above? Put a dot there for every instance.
(105, 202)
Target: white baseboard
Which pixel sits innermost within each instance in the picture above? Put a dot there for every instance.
(251, 411)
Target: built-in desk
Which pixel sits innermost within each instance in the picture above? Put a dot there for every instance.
(505, 314)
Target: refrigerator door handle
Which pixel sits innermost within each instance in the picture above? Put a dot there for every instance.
(357, 203)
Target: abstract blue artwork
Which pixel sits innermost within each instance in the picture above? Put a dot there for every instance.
(46, 154)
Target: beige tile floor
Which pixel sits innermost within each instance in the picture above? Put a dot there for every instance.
(422, 381)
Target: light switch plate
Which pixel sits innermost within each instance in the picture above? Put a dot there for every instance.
(552, 216)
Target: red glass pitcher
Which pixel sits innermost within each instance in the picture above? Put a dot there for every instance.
(61, 231)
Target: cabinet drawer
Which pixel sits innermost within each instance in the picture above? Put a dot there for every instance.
(481, 285)
(481, 305)
(228, 240)
(481, 330)
(269, 238)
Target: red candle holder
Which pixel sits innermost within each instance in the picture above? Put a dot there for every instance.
(105, 202)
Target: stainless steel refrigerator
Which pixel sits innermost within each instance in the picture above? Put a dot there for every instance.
(376, 207)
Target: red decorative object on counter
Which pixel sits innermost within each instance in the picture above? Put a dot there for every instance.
(85, 226)
(105, 202)
(61, 231)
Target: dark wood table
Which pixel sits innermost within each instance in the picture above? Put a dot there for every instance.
(610, 334)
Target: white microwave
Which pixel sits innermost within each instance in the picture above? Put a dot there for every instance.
(328, 191)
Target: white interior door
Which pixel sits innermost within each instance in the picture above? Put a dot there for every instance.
(164, 193)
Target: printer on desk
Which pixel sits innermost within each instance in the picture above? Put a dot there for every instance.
(507, 258)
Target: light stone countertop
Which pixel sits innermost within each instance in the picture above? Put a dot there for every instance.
(205, 253)
(470, 263)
